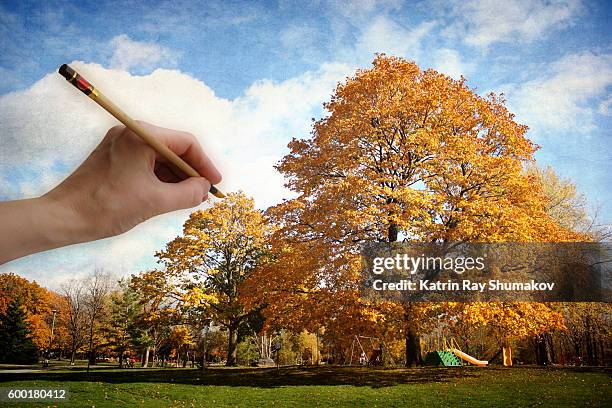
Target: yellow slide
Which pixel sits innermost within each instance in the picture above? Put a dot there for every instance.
(468, 358)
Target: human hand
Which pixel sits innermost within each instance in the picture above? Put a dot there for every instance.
(122, 183)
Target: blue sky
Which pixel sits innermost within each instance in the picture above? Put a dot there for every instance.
(270, 66)
(229, 44)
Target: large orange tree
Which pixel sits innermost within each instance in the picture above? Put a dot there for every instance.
(404, 154)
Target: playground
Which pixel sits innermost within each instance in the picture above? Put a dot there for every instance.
(448, 354)
(372, 351)
(327, 386)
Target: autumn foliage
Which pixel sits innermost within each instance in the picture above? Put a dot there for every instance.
(404, 154)
(220, 248)
(37, 303)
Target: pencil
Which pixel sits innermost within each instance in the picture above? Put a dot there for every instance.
(88, 89)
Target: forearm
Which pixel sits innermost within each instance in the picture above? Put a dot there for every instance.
(35, 225)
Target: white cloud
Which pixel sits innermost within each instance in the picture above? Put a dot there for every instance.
(562, 97)
(385, 35)
(358, 30)
(449, 62)
(484, 22)
(128, 53)
(245, 136)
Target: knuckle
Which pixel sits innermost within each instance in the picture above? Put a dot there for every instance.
(115, 131)
(188, 136)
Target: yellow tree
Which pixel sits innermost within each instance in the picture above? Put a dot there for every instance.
(568, 207)
(403, 154)
(509, 322)
(180, 340)
(161, 298)
(219, 249)
(564, 203)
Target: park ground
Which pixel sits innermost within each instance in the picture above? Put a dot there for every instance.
(322, 386)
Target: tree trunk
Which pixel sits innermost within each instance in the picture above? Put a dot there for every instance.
(317, 352)
(413, 343)
(121, 359)
(413, 348)
(589, 348)
(551, 348)
(543, 355)
(577, 347)
(145, 360)
(90, 357)
(589, 341)
(232, 346)
(507, 356)
(204, 350)
(393, 232)
(72, 356)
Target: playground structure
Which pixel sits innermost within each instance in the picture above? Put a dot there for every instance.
(376, 354)
(372, 351)
(451, 356)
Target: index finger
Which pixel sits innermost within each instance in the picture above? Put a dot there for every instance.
(188, 148)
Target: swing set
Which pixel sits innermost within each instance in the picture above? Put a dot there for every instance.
(376, 355)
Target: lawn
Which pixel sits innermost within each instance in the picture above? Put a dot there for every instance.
(326, 386)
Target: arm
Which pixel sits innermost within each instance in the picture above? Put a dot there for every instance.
(122, 183)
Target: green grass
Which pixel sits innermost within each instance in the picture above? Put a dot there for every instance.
(326, 386)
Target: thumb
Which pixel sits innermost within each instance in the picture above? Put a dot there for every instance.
(185, 194)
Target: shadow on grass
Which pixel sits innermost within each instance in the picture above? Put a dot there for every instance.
(259, 377)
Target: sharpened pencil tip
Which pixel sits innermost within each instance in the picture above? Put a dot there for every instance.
(215, 191)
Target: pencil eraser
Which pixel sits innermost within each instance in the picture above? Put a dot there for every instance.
(66, 71)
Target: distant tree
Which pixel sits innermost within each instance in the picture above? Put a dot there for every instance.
(180, 341)
(219, 249)
(37, 303)
(97, 288)
(161, 301)
(588, 330)
(246, 352)
(32, 297)
(16, 344)
(74, 316)
(567, 206)
(122, 329)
